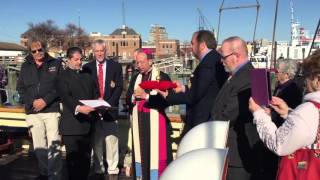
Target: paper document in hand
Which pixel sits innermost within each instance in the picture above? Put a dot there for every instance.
(99, 103)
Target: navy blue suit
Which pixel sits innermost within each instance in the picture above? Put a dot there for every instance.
(206, 81)
(106, 129)
(113, 84)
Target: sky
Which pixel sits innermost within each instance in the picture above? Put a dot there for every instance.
(180, 17)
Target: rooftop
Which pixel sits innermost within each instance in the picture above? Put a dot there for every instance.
(124, 30)
(11, 47)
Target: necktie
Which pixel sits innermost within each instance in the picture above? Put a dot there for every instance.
(100, 80)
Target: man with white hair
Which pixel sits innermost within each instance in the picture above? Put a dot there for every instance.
(108, 76)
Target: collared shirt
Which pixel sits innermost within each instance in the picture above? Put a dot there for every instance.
(204, 55)
(239, 67)
(104, 67)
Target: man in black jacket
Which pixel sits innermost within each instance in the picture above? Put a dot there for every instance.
(205, 81)
(76, 118)
(36, 87)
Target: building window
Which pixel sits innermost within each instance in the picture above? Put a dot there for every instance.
(112, 43)
(163, 46)
(123, 36)
(113, 54)
(134, 43)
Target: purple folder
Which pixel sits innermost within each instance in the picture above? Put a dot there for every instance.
(260, 86)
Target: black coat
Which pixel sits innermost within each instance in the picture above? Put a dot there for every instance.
(291, 94)
(206, 80)
(246, 150)
(34, 83)
(113, 85)
(72, 87)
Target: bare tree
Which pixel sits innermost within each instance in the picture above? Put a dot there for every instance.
(57, 38)
(45, 31)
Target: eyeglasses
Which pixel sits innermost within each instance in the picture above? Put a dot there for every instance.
(279, 72)
(225, 57)
(37, 50)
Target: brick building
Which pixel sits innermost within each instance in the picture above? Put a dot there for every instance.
(165, 47)
(120, 43)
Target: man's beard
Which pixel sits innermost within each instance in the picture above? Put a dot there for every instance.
(227, 69)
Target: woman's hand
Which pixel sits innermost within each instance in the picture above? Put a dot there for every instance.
(253, 106)
(279, 106)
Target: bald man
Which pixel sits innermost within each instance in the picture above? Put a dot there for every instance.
(245, 148)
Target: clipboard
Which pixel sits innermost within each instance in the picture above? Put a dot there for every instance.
(260, 86)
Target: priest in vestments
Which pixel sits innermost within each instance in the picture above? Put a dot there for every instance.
(150, 125)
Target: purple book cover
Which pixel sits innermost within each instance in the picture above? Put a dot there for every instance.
(260, 86)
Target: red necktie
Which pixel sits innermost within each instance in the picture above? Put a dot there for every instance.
(100, 80)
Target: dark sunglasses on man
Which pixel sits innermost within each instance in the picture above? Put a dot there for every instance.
(37, 50)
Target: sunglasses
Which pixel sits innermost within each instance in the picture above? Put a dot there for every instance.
(37, 50)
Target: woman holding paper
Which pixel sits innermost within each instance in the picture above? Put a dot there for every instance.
(299, 135)
(76, 118)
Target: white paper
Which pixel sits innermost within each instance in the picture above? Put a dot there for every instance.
(96, 103)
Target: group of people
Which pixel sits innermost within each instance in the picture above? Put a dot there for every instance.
(51, 95)
(219, 89)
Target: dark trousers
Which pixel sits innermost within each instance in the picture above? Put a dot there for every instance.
(78, 150)
(144, 136)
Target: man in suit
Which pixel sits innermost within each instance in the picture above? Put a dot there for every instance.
(150, 125)
(245, 149)
(108, 77)
(205, 82)
(76, 119)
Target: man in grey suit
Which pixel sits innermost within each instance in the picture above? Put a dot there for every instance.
(245, 149)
